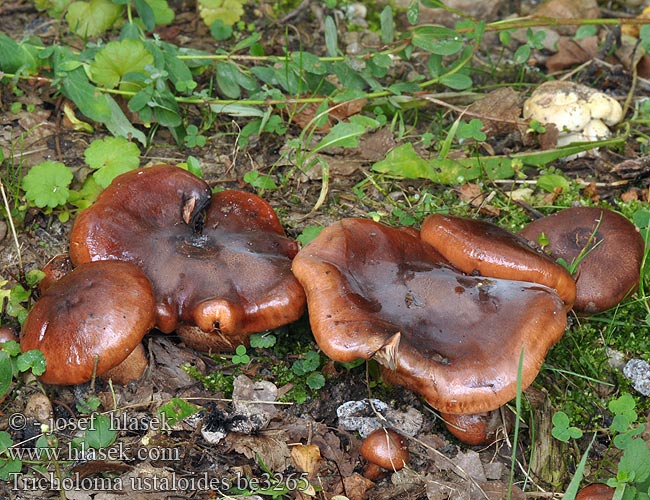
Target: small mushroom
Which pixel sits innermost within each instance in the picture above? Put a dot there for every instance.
(86, 324)
(479, 248)
(379, 292)
(596, 491)
(384, 450)
(612, 248)
(579, 113)
(7, 333)
(219, 262)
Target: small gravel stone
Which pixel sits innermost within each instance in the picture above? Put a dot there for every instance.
(638, 371)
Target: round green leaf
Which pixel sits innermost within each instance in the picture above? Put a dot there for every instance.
(89, 19)
(116, 60)
(46, 184)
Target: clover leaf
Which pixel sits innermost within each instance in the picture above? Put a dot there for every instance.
(46, 184)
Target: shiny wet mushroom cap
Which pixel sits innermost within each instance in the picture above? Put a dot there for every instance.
(379, 292)
(612, 248)
(384, 450)
(220, 262)
(98, 313)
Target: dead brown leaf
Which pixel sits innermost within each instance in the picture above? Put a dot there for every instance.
(568, 9)
(306, 457)
(270, 446)
(571, 52)
(500, 112)
(307, 113)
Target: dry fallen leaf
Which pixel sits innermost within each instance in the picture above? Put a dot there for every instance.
(337, 112)
(306, 457)
(571, 52)
(269, 446)
(500, 112)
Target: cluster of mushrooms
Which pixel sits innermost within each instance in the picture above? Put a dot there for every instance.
(447, 311)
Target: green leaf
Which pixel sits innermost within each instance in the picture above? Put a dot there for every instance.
(14, 56)
(46, 184)
(413, 11)
(403, 161)
(624, 405)
(145, 12)
(227, 80)
(229, 11)
(6, 374)
(331, 37)
(308, 234)
(111, 157)
(262, 340)
(176, 410)
(437, 40)
(585, 31)
(471, 130)
(32, 360)
(162, 13)
(100, 433)
(315, 380)
(87, 195)
(387, 25)
(89, 19)
(220, 31)
(636, 460)
(117, 59)
(259, 181)
(456, 81)
(9, 467)
(87, 97)
(550, 182)
(12, 348)
(346, 134)
(311, 361)
(119, 125)
(5, 441)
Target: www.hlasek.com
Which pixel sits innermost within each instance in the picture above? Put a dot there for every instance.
(169, 482)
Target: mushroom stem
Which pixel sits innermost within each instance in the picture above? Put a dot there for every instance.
(132, 368)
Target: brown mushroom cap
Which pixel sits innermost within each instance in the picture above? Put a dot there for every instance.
(596, 491)
(101, 309)
(7, 333)
(611, 271)
(221, 262)
(385, 448)
(375, 291)
(476, 246)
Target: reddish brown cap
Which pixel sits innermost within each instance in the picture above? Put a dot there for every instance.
(220, 262)
(611, 271)
(101, 309)
(479, 247)
(385, 448)
(375, 291)
(596, 491)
